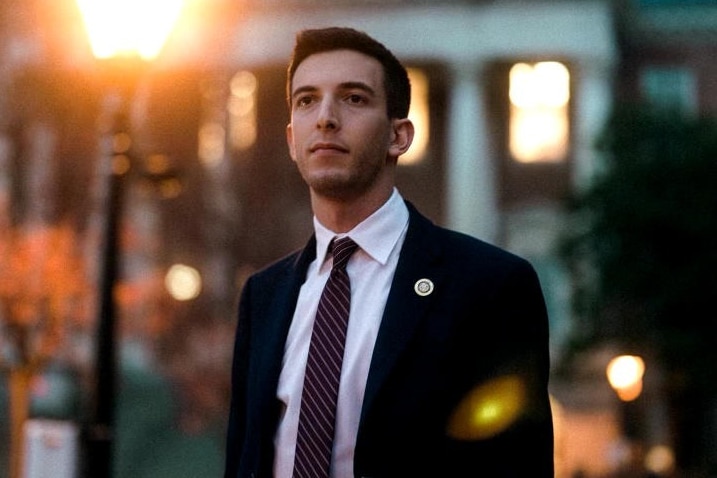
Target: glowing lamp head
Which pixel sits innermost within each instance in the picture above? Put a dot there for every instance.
(129, 28)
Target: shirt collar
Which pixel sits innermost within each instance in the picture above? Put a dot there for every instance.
(376, 235)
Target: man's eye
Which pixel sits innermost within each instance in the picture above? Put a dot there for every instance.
(356, 99)
(303, 101)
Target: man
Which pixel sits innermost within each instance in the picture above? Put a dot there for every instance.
(445, 365)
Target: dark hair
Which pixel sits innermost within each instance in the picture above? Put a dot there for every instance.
(396, 83)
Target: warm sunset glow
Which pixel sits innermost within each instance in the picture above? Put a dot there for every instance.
(129, 27)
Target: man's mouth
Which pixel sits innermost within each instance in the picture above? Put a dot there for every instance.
(324, 146)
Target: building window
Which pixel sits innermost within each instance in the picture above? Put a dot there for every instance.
(242, 110)
(419, 114)
(531, 115)
(539, 112)
(422, 167)
(669, 87)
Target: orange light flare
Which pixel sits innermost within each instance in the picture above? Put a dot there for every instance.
(489, 409)
(129, 28)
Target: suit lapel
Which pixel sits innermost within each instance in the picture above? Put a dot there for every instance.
(404, 307)
(271, 331)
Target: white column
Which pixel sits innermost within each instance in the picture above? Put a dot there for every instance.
(471, 183)
(594, 99)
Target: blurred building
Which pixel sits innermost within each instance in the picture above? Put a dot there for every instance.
(509, 97)
(667, 49)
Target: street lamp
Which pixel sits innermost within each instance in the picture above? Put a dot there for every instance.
(134, 28)
(124, 35)
(625, 374)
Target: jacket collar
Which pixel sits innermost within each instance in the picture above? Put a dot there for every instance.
(405, 306)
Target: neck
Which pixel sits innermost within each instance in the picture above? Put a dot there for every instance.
(342, 215)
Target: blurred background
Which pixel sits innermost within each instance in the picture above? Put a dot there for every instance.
(139, 188)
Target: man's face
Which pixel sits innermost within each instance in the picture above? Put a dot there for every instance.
(340, 134)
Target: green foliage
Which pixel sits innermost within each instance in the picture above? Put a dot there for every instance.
(643, 245)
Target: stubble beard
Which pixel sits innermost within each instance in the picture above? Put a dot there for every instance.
(345, 184)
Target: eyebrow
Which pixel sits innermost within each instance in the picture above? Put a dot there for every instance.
(347, 85)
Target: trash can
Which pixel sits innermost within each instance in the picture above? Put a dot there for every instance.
(51, 449)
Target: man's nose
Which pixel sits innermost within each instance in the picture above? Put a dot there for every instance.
(328, 116)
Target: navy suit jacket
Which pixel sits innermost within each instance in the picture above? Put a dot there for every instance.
(484, 320)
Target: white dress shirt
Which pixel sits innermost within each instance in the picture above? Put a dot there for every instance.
(370, 270)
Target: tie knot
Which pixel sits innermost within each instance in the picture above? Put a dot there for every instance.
(342, 249)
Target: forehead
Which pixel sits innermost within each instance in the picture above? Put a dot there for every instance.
(333, 68)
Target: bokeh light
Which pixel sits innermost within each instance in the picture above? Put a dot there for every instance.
(183, 282)
(488, 409)
(625, 376)
(660, 460)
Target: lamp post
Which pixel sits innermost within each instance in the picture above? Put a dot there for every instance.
(625, 375)
(125, 35)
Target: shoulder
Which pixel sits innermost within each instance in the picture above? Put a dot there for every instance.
(483, 262)
(458, 247)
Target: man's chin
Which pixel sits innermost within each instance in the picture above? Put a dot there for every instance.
(329, 183)
(335, 188)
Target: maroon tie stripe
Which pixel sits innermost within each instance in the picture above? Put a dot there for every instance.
(323, 369)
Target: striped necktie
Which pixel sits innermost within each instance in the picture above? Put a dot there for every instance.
(323, 369)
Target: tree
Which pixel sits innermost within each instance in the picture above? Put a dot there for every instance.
(643, 250)
(44, 301)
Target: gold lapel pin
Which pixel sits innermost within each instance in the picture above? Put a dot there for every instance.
(423, 287)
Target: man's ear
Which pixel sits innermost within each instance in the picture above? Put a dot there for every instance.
(290, 142)
(401, 136)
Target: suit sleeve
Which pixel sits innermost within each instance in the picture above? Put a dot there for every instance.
(519, 344)
(237, 416)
